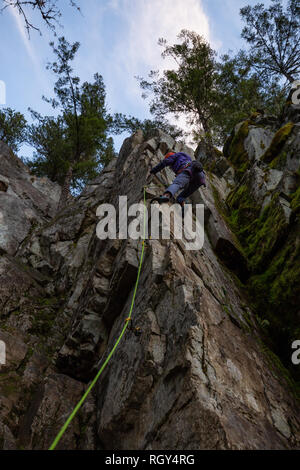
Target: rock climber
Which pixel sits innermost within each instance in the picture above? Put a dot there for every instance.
(189, 176)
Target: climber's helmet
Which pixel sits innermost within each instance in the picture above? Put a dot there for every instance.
(169, 154)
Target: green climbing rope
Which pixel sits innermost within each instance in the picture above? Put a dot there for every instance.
(91, 386)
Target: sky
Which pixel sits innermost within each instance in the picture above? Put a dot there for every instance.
(118, 40)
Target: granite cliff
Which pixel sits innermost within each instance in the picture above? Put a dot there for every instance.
(211, 368)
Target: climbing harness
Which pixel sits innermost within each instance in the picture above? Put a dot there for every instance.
(127, 321)
(184, 168)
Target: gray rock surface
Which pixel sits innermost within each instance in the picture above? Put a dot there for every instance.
(257, 141)
(196, 377)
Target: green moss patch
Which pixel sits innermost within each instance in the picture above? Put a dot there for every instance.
(242, 212)
(279, 162)
(276, 293)
(277, 143)
(237, 153)
(264, 234)
(10, 384)
(271, 245)
(279, 370)
(45, 313)
(279, 284)
(259, 234)
(295, 201)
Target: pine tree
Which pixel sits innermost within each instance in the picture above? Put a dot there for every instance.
(121, 123)
(188, 88)
(73, 146)
(214, 94)
(274, 38)
(12, 128)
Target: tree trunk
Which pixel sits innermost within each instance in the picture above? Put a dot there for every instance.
(65, 192)
(208, 139)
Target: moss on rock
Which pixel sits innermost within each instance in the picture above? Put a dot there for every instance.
(266, 232)
(279, 369)
(295, 201)
(272, 248)
(243, 211)
(258, 233)
(281, 280)
(237, 153)
(277, 143)
(276, 293)
(45, 314)
(271, 245)
(279, 162)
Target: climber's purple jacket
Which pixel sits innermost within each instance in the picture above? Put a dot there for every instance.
(176, 161)
(181, 163)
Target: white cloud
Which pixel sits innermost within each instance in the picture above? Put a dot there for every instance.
(135, 51)
(33, 55)
(20, 26)
(150, 20)
(147, 21)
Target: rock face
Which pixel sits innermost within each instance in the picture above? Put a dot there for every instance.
(199, 376)
(24, 201)
(262, 209)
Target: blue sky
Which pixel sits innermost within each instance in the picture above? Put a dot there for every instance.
(118, 39)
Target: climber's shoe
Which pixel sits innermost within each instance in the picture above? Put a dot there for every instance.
(161, 199)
